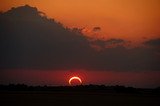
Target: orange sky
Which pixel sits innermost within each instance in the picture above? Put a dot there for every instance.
(129, 19)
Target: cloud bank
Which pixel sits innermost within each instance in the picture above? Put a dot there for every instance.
(30, 40)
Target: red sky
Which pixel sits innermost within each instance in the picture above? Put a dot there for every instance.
(49, 77)
(129, 19)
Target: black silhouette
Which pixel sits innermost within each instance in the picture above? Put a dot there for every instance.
(22, 94)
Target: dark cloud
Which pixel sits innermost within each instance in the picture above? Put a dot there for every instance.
(95, 29)
(99, 43)
(121, 58)
(153, 42)
(115, 41)
(106, 43)
(29, 40)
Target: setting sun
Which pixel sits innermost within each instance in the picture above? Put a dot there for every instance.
(74, 78)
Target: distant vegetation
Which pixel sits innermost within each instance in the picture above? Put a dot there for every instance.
(80, 88)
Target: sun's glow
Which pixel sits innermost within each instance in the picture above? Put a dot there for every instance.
(74, 78)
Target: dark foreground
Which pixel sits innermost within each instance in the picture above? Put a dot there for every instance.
(51, 98)
(83, 95)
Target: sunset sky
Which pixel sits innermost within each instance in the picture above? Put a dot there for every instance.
(36, 50)
(133, 20)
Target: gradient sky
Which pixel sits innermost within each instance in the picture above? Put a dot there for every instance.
(133, 20)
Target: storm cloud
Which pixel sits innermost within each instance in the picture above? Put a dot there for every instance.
(30, 40)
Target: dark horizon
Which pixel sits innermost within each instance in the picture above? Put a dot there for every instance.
(78, 85)
(81, 94)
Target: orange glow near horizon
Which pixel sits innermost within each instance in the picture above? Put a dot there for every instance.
(74, 78)
(133, 20)
(59, 77)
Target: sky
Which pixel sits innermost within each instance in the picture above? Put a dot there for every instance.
(37, 50)
(133, 20)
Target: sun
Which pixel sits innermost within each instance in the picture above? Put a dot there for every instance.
(74, 78)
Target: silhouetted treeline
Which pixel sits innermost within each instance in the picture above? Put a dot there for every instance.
(80, 88)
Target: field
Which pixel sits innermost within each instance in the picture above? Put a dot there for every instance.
(53, 98)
